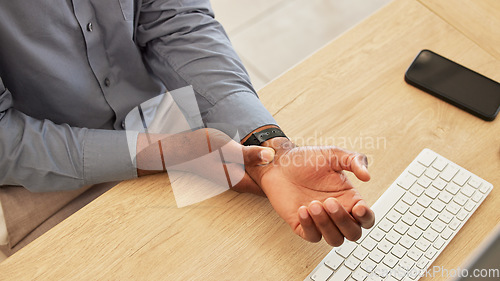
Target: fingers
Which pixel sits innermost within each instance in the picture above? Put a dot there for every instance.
(363, 214)
(309, 231)
(325, 225)
(331, 221)
(342, 219)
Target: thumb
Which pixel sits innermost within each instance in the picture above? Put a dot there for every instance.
(258, 155)
(356, 163)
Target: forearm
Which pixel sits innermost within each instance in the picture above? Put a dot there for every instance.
(184, 45)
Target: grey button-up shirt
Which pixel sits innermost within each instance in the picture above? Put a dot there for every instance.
(71, 70)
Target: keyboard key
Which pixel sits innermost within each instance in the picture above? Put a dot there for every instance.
(398, 274)
(393, 237)
(368, 265)
(416, 169)
(453, 208)
(417, 190)
(409, 219)
(447, 233)
(430, 214)
(390, 260)
(401, 207)
(469, 206)
(448, 173)
(346, 249)
(385, 225)
(415, 232)
(461, 177)
(385, 246)
(382, 270)
(474, 182)
(359, 275)
(360, 253)
(484, 188)
(376, 256)
(406, 181)
(424, 181)
(342, 274)
(422, 263)
(352, 263)
(414, 273)
(438, 226)
(414, 254)
(430, 253)
(422, 223)
(431, 173)
(409, 198)
(406, 242)
(454, 224)
(424, 201)
(477, 196)
(467, 190)
(446, 217)
(417, 210)
(438, 206)
(369, 244)
(432, 192)
(374, 277)
(377, 234)
(334, 261)
(431, 235)
(445, 196)
(322, 274)
(439, 183)
(398, 251)
(439, 243)
(401, 228)
(393, 216)
(452, 188)
(406, 263)
(462, 214)
(439, 164)
(460, 199)
(426, 158)
(422, 245)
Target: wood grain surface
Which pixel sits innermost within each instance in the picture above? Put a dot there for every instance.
(351, 93)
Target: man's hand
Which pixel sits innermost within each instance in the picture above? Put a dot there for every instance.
(210, 149)
(309, 190)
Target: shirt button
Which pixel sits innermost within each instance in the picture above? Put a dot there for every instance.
(90, 27)
(123, 124)
(107, 82)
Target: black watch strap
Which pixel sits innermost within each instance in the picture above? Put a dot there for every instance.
(259, 137)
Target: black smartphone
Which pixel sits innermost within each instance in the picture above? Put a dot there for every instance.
(455, 84)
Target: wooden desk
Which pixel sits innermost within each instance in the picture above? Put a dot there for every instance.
(350, 93)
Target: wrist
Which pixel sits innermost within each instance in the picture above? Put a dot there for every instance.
(281, 146)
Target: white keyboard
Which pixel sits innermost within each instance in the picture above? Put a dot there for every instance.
(415, 218)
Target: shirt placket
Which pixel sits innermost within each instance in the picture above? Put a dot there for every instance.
(96, 53)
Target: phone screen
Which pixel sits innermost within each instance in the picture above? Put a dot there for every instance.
(455, 84)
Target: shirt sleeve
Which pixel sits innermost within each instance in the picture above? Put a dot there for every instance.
(43, 156)
(184, 45)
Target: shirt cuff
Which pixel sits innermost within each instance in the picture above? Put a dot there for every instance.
(107, 156)
(242, 110)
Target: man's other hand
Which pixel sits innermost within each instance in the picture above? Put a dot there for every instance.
(308, 188)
